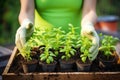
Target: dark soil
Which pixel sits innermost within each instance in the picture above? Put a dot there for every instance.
(17, 67)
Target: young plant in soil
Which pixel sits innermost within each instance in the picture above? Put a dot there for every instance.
(32, 42)
(67, 61)
(47, 58)
(29, 58)
(30, 51)
(85, 46)
(108, 45)
(57, 41)
(84, 63)
(107, 55)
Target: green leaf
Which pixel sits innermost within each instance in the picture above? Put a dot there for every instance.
(62, 50)
(63, 57)
(48, 61)
(68, 55)
(82, 49)
(72, 52)
(51, 54)
(84, 59)
(43, 58)
(42, 48)
(102, 48)
(51, 59)
(108, 53)
(56, 53)
(42, 55)
(82, 55)
(78, 45)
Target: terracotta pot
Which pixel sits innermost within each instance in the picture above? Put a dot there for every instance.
(48, 67)
(83, 66)
(108, 23)
(109, 26)
(97, 26)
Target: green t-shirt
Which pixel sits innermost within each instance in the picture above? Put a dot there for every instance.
(60, 13)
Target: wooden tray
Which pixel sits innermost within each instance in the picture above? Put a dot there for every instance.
(57, 75)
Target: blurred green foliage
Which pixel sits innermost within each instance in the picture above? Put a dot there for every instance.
(9, 11)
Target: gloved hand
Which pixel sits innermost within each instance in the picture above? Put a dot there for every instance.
(89, 31)
(24, 31)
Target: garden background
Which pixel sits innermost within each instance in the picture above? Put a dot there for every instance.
(9, 11)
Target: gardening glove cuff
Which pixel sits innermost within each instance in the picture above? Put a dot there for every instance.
(24, 31)
(89, 31)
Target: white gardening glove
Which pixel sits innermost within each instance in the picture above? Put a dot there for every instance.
(24, 31)
(89, 31)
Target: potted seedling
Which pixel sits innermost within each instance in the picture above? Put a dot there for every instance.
(107, 51)
(28, 59)
(67, 61)
(84, 61)
(30, 52)
(47, 57)
(58, 36)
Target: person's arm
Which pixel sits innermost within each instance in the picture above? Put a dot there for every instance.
(89, 18)
(27, 10)
(26, 20)
(89, 12)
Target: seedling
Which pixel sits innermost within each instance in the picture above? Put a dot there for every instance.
(108, 45)
(57, 39)
(85, 44)
(33, 41)
(69, 44)
(47, 39)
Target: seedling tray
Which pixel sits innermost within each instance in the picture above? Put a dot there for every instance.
(7, 75)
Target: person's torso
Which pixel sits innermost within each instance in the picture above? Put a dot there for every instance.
(60, 12)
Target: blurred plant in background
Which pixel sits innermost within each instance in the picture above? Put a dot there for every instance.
(9, 11)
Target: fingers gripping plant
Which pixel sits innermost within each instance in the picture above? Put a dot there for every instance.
(33, 41)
